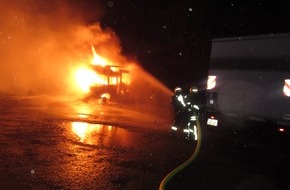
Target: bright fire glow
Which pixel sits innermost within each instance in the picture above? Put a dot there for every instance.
(86, 78)
(106, 95)
(97, 59)
(80, 129)
(87, 132)
(126, 78)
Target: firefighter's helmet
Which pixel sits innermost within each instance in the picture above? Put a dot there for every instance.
(177, 90)
(193, 89)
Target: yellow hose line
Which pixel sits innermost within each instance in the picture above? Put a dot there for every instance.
(186, 163)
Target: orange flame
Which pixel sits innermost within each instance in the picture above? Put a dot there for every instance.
(98, 60)
(86, 77)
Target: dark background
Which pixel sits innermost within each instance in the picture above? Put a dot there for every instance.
(171, 39)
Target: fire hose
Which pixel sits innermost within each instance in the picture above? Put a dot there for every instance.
(169, 176)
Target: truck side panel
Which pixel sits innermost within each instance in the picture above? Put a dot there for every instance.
(249, 77)
(251, 94)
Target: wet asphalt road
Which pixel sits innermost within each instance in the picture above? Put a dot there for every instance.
(238, 160)
(60, 143)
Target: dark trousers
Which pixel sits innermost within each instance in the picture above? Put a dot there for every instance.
(180, 119)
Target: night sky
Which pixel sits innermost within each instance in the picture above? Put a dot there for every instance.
(171, 39)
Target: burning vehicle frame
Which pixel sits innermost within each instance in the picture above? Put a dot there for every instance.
(103, 80)
(116, 87)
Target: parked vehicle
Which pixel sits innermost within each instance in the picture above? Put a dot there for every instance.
(249, 80)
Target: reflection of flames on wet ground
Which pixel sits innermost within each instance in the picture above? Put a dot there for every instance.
(86, 132)
(103, 135)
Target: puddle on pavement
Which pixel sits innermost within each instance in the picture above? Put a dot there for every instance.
(103, 135)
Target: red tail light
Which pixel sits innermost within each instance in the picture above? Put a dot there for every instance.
(282, 130)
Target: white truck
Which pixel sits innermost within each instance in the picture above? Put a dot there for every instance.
(249, 80)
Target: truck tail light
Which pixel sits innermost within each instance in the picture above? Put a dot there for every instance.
(281, 129)
(286, 88)
(211, 82)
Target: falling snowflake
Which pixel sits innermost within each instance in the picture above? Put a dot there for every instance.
(110, 4)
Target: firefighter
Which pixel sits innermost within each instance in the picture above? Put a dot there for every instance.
(193, 103)
(178, 103)
(193, 97)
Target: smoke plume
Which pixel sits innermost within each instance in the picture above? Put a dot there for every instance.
(40, 43)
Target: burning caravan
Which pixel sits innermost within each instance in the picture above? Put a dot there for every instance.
(249, 80)
(101, 78)
(116, 82)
